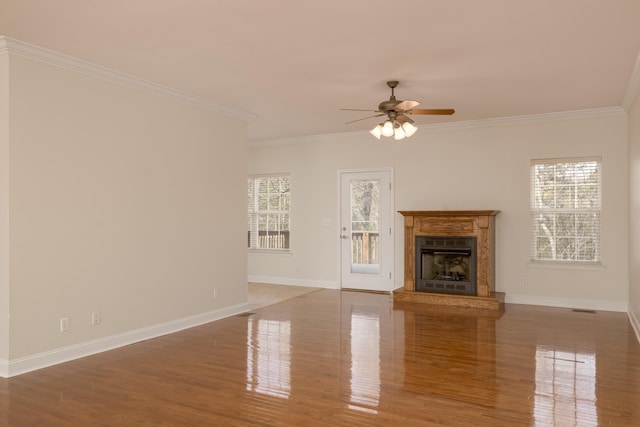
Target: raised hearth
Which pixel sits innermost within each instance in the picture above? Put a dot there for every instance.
(460, 275)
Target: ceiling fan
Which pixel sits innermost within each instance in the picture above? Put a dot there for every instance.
(398, 123)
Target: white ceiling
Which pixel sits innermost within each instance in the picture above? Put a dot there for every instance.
(295, 63)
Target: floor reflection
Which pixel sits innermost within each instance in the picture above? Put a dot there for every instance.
(565, 388)
(365, 358)
(269, 357)
(441, 345)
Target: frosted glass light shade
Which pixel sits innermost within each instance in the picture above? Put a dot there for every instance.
(376, 131)
(387, 128)
(409, 129)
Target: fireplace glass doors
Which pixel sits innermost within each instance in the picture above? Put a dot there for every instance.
(446, 264)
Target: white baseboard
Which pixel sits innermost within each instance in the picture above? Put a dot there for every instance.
(294, 282)
(10, 368)
(4, 368)
(584, 304)
(49, 358)
(634, 322)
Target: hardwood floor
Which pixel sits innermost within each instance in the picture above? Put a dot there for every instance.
(264, 294)
(332, 358)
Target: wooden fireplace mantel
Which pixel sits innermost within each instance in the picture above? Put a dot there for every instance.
(477, 223)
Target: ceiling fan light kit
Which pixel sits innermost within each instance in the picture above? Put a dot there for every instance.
(376, 131)
(409, 129)
(387, 128)
(399, 133)
(399, 124)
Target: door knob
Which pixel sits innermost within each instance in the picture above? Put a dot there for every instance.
(344, 237)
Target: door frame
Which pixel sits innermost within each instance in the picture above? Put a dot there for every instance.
(391, 249)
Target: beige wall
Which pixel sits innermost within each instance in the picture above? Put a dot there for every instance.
(634, 214)
(122, 202)
(482, 165)
(110, 201)
(4, 207)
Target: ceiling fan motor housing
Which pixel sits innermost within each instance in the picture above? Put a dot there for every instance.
(386, 106)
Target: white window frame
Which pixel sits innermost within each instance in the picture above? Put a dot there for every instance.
(255, 243)
(538, 212)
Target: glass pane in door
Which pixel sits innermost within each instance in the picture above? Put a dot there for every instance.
(365, 224)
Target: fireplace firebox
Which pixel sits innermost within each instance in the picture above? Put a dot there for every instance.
(446, 264)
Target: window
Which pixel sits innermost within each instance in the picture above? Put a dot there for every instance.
(269, 201)
(565, 210)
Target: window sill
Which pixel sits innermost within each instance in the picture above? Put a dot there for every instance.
(271, 251)
(569, 265)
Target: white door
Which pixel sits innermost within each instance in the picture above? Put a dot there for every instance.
(365, 230)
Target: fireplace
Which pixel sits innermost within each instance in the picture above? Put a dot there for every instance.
(446, 264)
(449, 259)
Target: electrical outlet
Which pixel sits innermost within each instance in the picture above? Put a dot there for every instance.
(215, 293)
(521, 281)
(95, 318)
(64, 324)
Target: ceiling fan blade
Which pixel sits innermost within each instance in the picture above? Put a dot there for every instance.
(406, 105)
(364, 118)
(437, 111)
(402, 119)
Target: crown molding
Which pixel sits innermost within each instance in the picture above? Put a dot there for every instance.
(532, 118)
(26, 50)
(633, 87)
(56, 59)
(468, 124)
